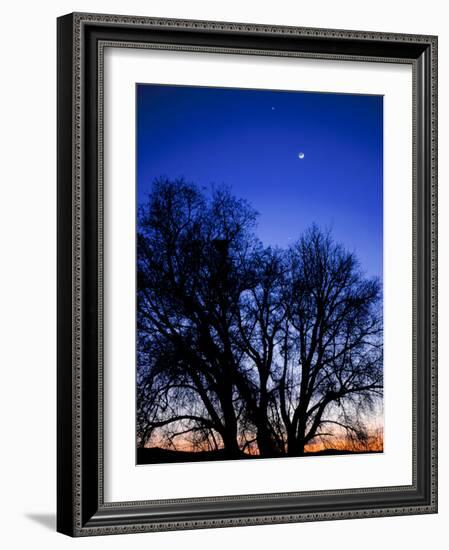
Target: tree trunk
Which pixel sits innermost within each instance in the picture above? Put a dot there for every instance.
(296, 447)
(296, 437)
(230, 431)
(231, 445)
(265, 441)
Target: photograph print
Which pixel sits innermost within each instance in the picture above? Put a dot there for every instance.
(259, 274)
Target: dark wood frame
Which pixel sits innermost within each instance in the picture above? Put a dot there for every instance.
(81, 509)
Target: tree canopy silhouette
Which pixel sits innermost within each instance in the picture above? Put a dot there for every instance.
(245, 348)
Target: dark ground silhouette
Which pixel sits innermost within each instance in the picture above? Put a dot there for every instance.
(156, 455)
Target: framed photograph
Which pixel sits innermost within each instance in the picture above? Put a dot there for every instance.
(247, 278)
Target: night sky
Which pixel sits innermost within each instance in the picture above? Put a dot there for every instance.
(251, 141)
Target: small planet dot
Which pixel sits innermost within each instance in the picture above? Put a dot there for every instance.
(301, 155)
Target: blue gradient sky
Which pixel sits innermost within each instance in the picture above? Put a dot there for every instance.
(250, 141)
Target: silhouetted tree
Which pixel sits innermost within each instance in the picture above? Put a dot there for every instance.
(332, 350)
(191, 256)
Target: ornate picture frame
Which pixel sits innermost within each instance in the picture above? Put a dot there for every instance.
(81, 506)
